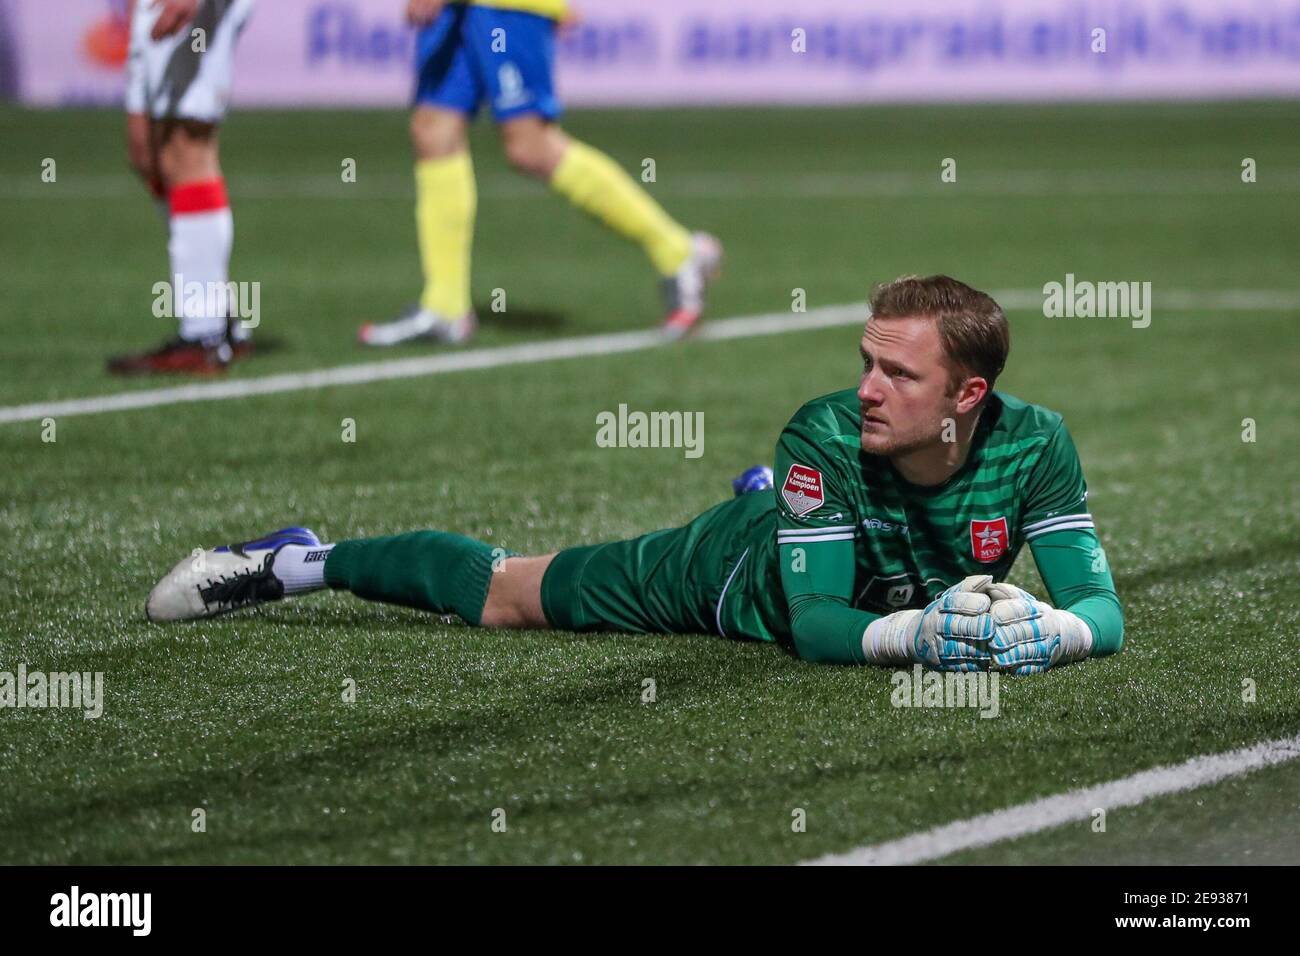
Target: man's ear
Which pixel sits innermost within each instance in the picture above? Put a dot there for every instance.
(972, 391)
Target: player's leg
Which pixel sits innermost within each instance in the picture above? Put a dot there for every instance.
(594, 183)
(517, 75)
(185, 91)
(634, 585)
(202, 226)
(534, 145)
(514, 597)
(445, 203)
(144, 159)
(669, 581)
(485, 585)
(446, 96)
(435, 571)
(139, 126)
(194, 145)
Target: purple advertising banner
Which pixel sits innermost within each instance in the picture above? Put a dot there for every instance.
(359, 52)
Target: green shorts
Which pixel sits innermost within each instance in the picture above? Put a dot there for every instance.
(679, 581)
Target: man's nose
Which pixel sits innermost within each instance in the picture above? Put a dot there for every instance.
(869, 390)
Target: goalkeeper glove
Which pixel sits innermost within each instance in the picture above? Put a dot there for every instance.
(1030, 635)
(951, 634)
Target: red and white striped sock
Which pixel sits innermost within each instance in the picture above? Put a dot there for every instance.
(202, 232)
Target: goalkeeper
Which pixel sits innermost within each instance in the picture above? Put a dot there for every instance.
(897, 511)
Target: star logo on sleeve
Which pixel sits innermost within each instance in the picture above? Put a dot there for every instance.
(989, 539)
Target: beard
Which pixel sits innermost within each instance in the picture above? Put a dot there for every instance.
(880, 442)
(889, 441)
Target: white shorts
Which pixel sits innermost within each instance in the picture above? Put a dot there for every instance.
(168, 79)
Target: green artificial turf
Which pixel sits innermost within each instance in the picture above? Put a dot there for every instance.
(244, 716)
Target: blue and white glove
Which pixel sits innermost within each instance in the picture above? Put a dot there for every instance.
(1030, 636)
(951, 634)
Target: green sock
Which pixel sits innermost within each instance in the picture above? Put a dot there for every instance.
(430, 570)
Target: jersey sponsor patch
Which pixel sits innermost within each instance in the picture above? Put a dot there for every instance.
(802, 490)
(988, 539)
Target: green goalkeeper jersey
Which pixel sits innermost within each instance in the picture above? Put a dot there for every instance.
(849, 539)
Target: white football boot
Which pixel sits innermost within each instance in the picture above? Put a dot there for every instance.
(419, 325)
(223, 579)
(684, 290)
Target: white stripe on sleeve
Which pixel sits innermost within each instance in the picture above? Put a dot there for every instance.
(815, 539)
(1064, 526)
(804, 532)
(1057, 519)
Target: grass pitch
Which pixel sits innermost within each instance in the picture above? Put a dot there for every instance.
(244, 717)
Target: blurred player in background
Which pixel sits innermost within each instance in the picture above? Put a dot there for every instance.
(179, 70)
(504, 51)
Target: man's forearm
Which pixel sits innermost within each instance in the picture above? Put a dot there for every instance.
(1073, 566)
(1105, 618)
(828, 632)
(951, 633)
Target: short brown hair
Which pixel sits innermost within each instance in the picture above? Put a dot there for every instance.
(972, 327)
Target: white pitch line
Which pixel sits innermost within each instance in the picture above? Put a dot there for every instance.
(1066, 807)
(772, 323)
(748, 326)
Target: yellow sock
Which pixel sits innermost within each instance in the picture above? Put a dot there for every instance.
(445, 200)
(594, 183)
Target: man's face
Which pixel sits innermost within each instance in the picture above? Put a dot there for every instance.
(904, 391)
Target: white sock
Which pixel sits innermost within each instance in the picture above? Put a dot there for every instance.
(301, 568)
(202, 232)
